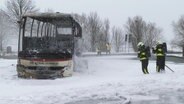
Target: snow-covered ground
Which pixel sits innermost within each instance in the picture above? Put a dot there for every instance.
(108, 80)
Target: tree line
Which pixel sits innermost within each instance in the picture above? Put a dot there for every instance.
(97, 32)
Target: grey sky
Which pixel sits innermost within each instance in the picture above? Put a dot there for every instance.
(162, 12)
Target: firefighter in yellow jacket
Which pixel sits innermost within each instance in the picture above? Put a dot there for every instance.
(160, 50)
(143, 55)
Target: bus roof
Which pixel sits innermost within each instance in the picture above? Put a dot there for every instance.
(47, 15)
(55, 18)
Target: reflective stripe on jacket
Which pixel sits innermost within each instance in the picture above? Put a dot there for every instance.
(142, 54)
(160, 51)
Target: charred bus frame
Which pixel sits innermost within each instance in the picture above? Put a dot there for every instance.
(46, 45)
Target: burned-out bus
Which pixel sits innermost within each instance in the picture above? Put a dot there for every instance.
(46, 45)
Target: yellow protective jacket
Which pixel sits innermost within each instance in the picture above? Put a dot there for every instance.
(159, 51)
(142, 53)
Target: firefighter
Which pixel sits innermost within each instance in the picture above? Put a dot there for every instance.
(98, 51)
(143, 56)
(108, 47)
(160, 51)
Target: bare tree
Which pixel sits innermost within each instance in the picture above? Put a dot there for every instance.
(137, 28)
(152, 35)
(106, 30)
(117, 38)
(17, 8)
(142, 32)
(4, 28)
(95, 25)
(83, 21)
(179, 33)
(95, 31)
(103, 36)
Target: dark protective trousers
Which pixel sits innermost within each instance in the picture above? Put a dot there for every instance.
(145, 66)
(160, 63)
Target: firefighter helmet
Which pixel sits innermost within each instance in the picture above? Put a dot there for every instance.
(140, 44)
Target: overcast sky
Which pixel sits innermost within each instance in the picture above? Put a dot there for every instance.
(162, 12)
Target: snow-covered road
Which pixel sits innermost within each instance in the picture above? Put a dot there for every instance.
(108, 80)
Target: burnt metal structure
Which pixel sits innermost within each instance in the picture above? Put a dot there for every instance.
(46, 45)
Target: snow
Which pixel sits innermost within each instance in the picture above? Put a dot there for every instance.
(107, 77)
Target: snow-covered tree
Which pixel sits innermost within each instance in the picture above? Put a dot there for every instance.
(179, 33)
(16, 8)
(117, 38)
(142, 31)
(137, 27)
(95, 32)
(106, 30)
(82, 20)
(5, 28)
(153, 34)
(94, 26)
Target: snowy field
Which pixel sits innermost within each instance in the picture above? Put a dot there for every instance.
(108, 80)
